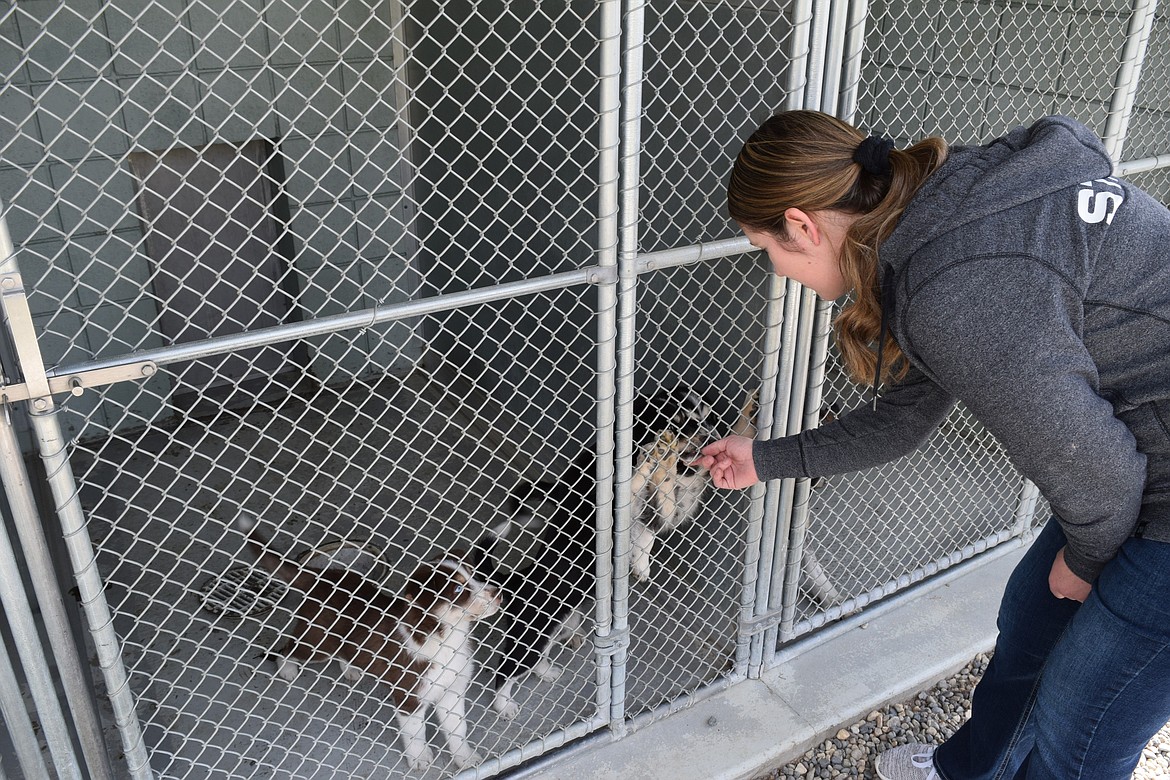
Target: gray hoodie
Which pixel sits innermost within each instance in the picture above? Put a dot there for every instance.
(1028, 283)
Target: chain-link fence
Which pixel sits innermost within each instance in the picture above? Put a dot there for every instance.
(400, 277)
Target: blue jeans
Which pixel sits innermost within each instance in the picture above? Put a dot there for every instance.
(1074, 691)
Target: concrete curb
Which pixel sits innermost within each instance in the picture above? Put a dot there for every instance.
(757, 725)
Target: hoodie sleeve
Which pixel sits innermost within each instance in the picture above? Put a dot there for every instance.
(1003, 335)
(906, 415)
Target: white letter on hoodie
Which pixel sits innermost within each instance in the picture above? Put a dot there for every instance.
(1094, 207)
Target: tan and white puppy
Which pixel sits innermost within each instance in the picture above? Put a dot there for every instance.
(670, 429)
(655, 483)
(416, 641)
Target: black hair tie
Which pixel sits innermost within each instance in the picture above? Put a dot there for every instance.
(873, 155)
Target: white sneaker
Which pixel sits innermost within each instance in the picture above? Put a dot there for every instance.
(907, 762)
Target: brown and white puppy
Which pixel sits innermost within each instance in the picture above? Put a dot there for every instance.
(416, 641)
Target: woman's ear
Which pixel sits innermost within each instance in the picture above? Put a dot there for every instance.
(801, 227)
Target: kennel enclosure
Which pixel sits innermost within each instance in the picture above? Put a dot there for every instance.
(362, 268)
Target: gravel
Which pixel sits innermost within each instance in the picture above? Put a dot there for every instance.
(930, 717)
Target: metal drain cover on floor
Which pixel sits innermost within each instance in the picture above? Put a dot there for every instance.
(241, 591)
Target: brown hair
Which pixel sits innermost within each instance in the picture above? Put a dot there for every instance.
(804, 160)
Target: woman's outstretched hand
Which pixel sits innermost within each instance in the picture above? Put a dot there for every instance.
(730, 463)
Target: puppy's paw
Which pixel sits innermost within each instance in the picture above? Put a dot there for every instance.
(577, 640)
(505, 706)
(286, 669)
(466, 759)
(350, 672)
(419, 755)
(547, 671)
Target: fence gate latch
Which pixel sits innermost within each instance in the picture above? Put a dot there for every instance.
(77, 383)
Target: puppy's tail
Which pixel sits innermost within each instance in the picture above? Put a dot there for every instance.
(745, 423)
(483, 557)
(522, 513)
(272, 563)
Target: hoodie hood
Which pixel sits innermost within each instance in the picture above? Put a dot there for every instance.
(978, 181)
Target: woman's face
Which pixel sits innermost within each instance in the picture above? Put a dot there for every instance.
(809, 254)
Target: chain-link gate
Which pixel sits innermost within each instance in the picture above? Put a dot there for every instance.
(377, 272)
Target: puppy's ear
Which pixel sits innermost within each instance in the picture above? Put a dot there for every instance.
(418, 588)
(698, 405)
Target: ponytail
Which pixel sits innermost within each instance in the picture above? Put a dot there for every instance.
(816, 162)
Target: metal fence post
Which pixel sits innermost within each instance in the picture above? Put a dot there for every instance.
(16, 718)
(614, 378)
(17, 610)
(35, 549)
(838, 94)
(51, 443)
(767, 521)
(1129, 70)
(793, 380)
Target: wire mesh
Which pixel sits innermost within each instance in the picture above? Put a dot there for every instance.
(691, 600)
(177, 173)
(714, 71)
(1151, 122)
(367, 459)
(970, 70)
(888, 524)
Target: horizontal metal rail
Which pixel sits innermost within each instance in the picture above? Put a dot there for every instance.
(1130, 167)
(549, 760)
(321, 326)
(85, 376)
(696, 253)
(538, 752)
